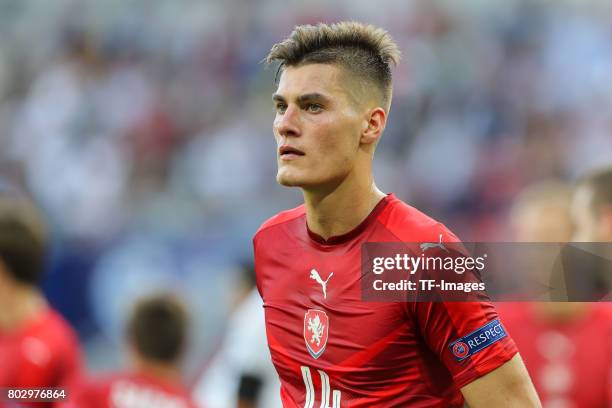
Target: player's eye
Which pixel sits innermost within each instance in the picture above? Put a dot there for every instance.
(314, 108)
(280, 108)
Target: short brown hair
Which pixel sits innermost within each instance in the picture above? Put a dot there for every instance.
(158, 328)
(23, 239)
(365, 50)
(600, 183)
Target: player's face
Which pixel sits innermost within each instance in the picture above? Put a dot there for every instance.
(587, 227)
(543, 222)
(317, 126)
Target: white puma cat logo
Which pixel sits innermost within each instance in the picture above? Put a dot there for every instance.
(428, 245)
(315, 275)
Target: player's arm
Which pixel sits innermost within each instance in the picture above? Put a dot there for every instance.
(472, 343)
(507, 386)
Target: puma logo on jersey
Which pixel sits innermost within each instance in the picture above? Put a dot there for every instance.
(429, 245)
(315, 275)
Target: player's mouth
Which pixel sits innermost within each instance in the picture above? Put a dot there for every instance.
(289, 153)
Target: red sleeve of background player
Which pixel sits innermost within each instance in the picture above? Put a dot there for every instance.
(466, 337)
(38, 364)
(48, 360)
(47, 355)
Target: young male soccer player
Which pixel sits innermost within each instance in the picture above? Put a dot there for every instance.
(567, 346)
(156, 334)
(38, 349)
(586, 274)
(331, 348)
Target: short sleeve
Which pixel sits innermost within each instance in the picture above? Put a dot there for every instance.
(468, 337)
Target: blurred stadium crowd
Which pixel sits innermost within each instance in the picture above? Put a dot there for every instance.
(143, 130)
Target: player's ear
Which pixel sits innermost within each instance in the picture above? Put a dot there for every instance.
(373, 126)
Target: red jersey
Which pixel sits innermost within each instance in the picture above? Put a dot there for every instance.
(42, 353)
(329, 345)
(130, 391)
(570, 362)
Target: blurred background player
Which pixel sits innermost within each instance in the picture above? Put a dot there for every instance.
(156, 340)
(241, 373)
(592, 207)
(37, 346)
(567, 346)
(541, 213)
(587, 262)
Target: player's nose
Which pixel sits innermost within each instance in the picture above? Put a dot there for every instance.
(288, 124)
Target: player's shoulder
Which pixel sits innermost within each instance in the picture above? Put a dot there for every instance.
(409, 224)
(515, 313)
(55, 327)
(281, 218)
(51, 330)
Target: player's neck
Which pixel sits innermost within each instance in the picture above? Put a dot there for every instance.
(338, 210)
(21, 305)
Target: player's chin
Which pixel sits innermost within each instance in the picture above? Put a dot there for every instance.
(288, 181)
(290, 178)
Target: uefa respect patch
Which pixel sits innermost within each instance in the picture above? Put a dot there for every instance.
(478, 340)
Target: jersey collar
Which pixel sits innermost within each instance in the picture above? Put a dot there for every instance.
(340, 239)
